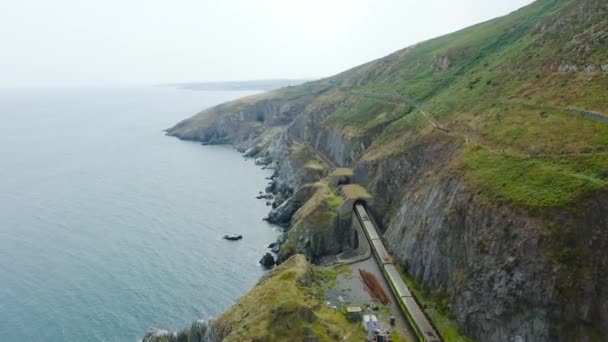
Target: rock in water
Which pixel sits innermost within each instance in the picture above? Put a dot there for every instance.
(199, 331)
(158, 335)
(267, 260)
(202, 331)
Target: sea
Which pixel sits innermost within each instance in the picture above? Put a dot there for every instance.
(108, 227)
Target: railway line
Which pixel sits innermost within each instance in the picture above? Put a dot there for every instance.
(422, 327)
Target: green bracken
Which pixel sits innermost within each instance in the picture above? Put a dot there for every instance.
(534, 182)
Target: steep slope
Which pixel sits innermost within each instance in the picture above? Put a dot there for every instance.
(487, 153)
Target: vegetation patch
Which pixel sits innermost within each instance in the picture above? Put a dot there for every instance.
(286, 306)
(342, 172)
(355, 191)
(328, 276)
(318, 211)
(315, 164)
(531, 182)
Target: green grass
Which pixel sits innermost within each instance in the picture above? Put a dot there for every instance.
(328, 276)
(334, 201)
(315, 164)
(398, 338)
(532, 183)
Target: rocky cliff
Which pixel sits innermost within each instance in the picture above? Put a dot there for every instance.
(490, 185)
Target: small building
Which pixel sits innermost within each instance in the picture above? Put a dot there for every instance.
(371, 325)
(354, 313)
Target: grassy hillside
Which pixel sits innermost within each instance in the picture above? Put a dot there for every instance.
(511, 90)
(502, 88)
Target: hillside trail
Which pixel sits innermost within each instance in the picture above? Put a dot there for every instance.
(403, 100)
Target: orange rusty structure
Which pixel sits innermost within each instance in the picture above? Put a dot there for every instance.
(374, 287)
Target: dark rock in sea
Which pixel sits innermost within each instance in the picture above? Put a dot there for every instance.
(199, 331)
(158, 335)
(274, 247)
(268, 203)
(267, 260)
(267, 196)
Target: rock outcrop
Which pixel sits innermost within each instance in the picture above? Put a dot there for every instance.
(199, 331)
(267, 260)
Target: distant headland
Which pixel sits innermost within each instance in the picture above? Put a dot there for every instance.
(240, 85)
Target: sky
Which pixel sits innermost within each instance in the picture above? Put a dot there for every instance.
(85, 42)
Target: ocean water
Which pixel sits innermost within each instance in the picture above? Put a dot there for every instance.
(108, 227)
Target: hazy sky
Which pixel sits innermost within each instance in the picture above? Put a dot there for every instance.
(123, 41)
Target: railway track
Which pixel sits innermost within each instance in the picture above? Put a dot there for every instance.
(420, 324)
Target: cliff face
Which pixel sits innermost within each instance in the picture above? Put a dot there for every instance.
(508, 272)
(489, 184)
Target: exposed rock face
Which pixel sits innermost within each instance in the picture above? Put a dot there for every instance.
(199, 331)
(442, 63)
(503, 268)
(159, 335)
(317, 229)
(326, 139)
(582, 68)
(282, 214)
(243, 125)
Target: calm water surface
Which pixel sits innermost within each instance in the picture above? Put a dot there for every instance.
(107, 227)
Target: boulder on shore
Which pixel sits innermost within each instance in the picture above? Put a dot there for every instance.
(267, 260)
